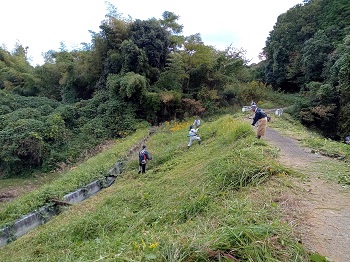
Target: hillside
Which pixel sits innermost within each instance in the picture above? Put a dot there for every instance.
(202, 204)
(308, 52)
(226, 199)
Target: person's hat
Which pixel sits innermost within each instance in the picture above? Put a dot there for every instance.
(143, 146)
(253, 107)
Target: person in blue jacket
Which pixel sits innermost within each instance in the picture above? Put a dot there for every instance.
(143, 157)
(260, 117)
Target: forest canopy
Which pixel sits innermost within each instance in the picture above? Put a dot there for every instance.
(308, 52)
(133, 73)
(137, 73)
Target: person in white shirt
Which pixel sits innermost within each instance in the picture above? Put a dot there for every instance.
(193, 134)
(197, 122)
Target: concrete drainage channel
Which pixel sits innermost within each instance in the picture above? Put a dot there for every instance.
(30, 221)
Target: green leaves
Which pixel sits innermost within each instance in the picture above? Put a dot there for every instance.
(132, 85)
(152, 38)
(315, 55)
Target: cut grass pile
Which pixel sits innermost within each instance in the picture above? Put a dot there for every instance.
(191, 205)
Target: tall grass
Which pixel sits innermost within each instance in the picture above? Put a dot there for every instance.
(191, 205)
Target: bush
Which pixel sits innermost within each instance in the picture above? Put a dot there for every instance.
(22, 146)
(38, 133)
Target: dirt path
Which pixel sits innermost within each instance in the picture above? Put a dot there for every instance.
(323, 207)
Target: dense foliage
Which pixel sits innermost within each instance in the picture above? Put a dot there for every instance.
(133, 71)
(37, 132)
(308, 51)
(145, 71)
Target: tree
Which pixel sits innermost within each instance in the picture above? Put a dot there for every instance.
(315, 54)
(153, 39)
(198, 60)
(174, 75)
(16, 74)
(50, 74)
(284, 45)
(169, 22)
(129, 86)
(340, 75)
(133, 59)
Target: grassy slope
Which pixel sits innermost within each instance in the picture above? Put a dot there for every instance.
(81, 175)
(202, 204)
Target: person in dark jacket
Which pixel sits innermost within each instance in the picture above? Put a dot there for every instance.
(143, 157)
(260, 117)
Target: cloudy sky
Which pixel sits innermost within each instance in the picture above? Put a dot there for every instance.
(43, 24)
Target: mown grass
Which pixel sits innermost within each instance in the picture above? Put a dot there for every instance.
(287, 125)
(94, 168)
(191, 205)
(337, 170)
(13, 187)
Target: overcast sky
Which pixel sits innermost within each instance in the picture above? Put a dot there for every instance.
(43, 24)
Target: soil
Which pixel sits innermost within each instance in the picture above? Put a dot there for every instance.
(319, 211)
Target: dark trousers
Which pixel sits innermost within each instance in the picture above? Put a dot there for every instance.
(142, 168)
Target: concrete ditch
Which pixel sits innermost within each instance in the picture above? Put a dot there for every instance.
(30, 221)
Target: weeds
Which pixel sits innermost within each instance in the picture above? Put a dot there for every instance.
(189, 206)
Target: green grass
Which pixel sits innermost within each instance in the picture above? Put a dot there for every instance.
(287, 125)
(207, 203)
(94, 168)
(336, 170)
(24, 185)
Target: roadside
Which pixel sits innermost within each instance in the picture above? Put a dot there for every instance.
(320, 212)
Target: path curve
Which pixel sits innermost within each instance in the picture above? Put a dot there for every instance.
(323, 207)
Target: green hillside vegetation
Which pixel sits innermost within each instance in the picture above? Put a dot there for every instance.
(37, 133)
(202, 204)
(138, 73)
(308, 52)
(133, 73)
(217, 201)
(94, 168)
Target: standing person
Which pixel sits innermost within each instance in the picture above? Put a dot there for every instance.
(193, 134)
(143, 157)
(260, 117)
(197, 122)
